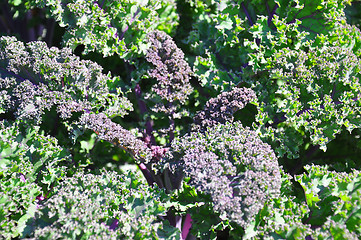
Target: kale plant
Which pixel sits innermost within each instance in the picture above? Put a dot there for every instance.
(105, 206)
(219, 119)
(30, 166)
(231, 165)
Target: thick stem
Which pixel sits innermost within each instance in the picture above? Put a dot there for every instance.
(143, 110)
(186, 226)
(295, 17)
(147, 174)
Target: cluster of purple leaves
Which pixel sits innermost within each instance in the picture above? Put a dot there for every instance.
(232, 165)
(171, 71)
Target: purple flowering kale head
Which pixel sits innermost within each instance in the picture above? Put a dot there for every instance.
(170, 70)
(221, 108)
(232, 165)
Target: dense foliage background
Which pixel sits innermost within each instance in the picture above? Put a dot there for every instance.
(217, 119)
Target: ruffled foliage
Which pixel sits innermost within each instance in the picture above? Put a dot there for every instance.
(232, 165)
(171, 71)
(35, 78)
(30, 165)
(110, 27)
(281, 49)
(331, 208)
(224, 106)
(106, 206)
